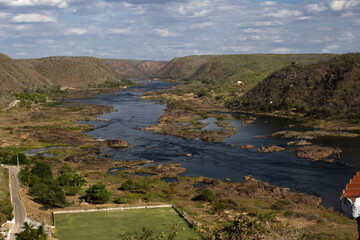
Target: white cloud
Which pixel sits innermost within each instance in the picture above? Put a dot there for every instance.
(27, 3)
(268, 3)
(252, 30)
(76, 31)
(315, 8)
(304, 18)
(239, 48)
(121, 31)
(201, 25)
(33, 18)
(4, 15)
(165, 32)
(338, 5)
(281, 50)
(329, 47)
(284, 13)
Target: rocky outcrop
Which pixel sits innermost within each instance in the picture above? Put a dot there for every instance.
(117, 143)
(160, 170)
(248, 146)
(313, 134)
(316, 153)
(299, 143)
(269, 149)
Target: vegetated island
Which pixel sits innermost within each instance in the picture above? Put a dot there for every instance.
(74, 169)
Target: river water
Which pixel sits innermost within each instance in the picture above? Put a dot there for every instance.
(221, 160)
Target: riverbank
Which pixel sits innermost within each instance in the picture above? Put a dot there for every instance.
(187, 113)
(45, 125)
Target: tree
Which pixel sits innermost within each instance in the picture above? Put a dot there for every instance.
(49, 193)
(26, 177)
(97, 194)
(30, 233)
(42, 170)
(71, 180)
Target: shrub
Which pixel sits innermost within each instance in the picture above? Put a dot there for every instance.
(225, 204)
(280, 204)
(121, 200)
(206, 195)
(97, 194)
(131, 185)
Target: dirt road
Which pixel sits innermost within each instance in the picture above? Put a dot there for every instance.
(19, 209)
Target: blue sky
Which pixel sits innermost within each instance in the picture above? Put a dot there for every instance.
(162, 30)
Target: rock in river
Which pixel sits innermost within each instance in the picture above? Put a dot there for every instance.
(317, 153)
(269, 149)
(117, 143)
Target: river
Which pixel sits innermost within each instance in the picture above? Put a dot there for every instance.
(221, 160)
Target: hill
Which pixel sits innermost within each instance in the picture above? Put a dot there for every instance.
(226, 70)
(15, 76)
(72, 71)
(134, 68)
(181, 68)
(327, 88)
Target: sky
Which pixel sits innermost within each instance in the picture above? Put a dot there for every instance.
(164, 29)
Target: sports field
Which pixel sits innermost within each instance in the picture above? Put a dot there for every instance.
(108, 225)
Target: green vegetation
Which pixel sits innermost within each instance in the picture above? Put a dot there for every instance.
(97, 194)
(134, 186)
(328, 89)
(10, 156)
(43, 186)
(109, 225)
(6, 208)
(231, 74)
(206, 195)
(30, 233)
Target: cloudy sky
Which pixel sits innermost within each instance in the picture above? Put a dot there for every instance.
(163, 29)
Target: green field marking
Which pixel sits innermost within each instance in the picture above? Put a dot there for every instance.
(108, 225)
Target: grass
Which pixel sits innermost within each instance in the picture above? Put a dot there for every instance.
(108, 225)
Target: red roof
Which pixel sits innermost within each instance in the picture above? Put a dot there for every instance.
(352, 189)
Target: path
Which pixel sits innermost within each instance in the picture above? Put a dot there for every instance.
(19, 209)
(12, 104)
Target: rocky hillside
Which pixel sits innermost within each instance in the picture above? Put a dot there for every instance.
(135, 68)
(72, 71)
(15, 76)
(226, 70)
(328, 88)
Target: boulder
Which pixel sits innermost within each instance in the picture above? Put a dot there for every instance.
(117, 143)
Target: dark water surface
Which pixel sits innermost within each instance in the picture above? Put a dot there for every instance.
(221, 160)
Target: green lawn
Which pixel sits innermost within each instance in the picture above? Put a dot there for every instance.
(108, 225)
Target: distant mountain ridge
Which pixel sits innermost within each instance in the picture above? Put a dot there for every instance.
(329, 88)
(135, 68)
(72, 71)
(226, 70)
